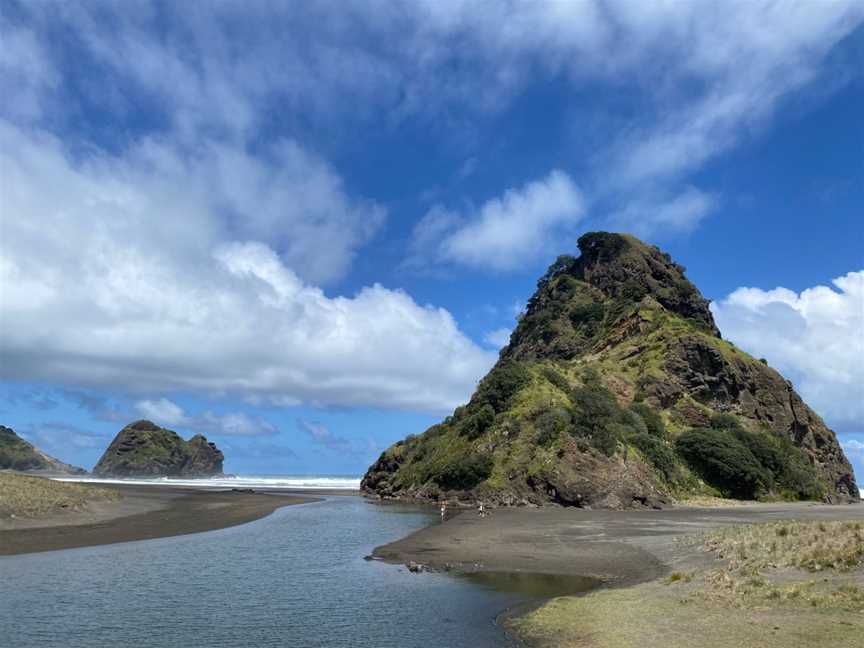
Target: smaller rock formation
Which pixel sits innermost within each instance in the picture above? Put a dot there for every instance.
(18, 454)
(143, 449)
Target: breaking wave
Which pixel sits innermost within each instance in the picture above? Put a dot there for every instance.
(264, 482)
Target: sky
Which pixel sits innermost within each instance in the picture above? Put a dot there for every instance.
(306, 229)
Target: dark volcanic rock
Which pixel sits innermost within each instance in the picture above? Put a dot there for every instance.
(759, 393)
(617, 390)
(143, 449)
(18, 454)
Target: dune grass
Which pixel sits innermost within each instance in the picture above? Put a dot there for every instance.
(788, 561)
(812, 546)
(26, 496)
(781, 584)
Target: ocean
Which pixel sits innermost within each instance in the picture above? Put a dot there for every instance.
(263, 482)
(295, 579)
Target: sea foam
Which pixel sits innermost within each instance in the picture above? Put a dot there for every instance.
(263, 482)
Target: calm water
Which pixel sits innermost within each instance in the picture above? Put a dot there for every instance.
(294, 579)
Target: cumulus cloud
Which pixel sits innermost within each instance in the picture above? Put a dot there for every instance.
(168, 413)
(815, 337)
(158, 235)
(119, 272)
(162, 410)
(506, 231)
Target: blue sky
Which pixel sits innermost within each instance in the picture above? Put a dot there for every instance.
(304, 230)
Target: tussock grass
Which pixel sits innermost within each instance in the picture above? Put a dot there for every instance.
(679, 577)
(26, 496)
(812, 546)
(757, 553)
(783, 584)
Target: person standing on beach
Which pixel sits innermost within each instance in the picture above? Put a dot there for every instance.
(443, 510)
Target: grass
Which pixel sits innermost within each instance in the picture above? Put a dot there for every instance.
(760, 559)
(656, 614)
(679, 577)
(811, 546)
(782, 584)
(25, 496)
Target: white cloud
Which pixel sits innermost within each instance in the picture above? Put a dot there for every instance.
(506, 232)
(705, 75)
(498, 338)
(188, 256)
(748, 69)
(682, 212)
(815, 337)
(162, 410)
(167, 413)
(853, 447)
(114, 273)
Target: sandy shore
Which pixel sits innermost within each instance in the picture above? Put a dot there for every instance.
(145, 512)
(624, 547)
(635, 555)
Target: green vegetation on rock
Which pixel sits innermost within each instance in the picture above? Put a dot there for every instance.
(18, 454)
(617, 390)
(144, 449)
(747, 465)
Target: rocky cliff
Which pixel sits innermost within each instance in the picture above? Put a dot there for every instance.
(617, 390)
(143, 449)
(18, 454)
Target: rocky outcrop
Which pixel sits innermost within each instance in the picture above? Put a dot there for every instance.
(143, 449)
(18, 454)
(617, 390)
(758, 393)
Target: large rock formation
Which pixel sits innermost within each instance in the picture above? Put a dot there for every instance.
(143, 449)
(18, 454)
(617, 390)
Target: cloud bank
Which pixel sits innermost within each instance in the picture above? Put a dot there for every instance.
(815, 338)
(168, 215)
(120, 272)
(165, 412)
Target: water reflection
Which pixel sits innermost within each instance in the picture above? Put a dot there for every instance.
(532, 585)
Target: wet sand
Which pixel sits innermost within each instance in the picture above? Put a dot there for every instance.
(618, 547)
(145, 512)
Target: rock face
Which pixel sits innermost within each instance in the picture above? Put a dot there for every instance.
(617, 390)
(143, 449)
(18, 454)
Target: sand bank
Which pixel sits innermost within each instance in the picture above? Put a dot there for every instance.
(144, 512)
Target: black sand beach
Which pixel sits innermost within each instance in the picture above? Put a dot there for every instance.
(655, 576)
(145, 512)
(625, 547)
